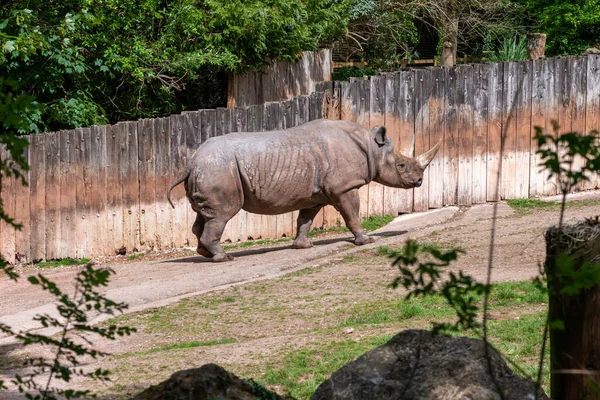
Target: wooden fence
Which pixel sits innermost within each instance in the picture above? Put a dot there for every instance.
(93, 191)
(280, 80)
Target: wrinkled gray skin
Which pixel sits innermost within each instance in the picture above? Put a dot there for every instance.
(303, 168)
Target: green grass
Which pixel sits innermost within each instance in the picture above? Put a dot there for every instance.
(373, 222)
(135, 256)
(64, 261)
(526, 205)
(176, 346)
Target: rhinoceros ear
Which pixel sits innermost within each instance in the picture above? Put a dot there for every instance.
(379, 134)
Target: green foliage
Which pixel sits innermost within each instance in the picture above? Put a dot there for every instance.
(513, 48)
(90, 62)
(73, 341)
(571, 25)
(345, 73)
(421, 268)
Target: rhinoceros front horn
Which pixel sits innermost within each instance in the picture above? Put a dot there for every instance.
(424, 159)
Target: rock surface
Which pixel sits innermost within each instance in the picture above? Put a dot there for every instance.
(209, 382)
(418, 365)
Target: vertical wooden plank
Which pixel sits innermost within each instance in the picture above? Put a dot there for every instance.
(162, 173)
(376, 118)
(480, 129)
(406, 111)
(130, 180)
(537, 175)
(57, 167)
(464, 103)
(114, 193)
(423, 84)
(22, 212)
(495, 129)
(98, 189)
(254, 222)
(577, 103)
(85, 229)
(592, 115)
(451, 141)
(437, 121)
(147, 155)
(523, 137)
(509, 133)
(177, 163)
(37, 194)
(392, 123)
(7, 194)
(361, 97)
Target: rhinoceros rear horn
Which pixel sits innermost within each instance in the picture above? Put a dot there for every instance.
(424, 159)
(379, 132)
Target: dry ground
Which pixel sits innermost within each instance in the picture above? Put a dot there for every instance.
(251, 315)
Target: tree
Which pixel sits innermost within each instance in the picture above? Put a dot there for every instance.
(571, 25)
(455, 21)
(92, 62)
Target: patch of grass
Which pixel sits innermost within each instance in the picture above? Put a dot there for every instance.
(304, 271)
(529, 204)
(176, 346)
(63, 262)
(516, 293)
(135, 256)
(303, 370)
(374, 222)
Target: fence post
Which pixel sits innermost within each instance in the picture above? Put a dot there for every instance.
(575, 350)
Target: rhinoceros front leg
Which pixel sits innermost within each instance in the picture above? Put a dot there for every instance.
(349, 206)
(305, 220)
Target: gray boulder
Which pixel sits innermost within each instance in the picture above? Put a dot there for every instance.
(418, 365)
(209, 382)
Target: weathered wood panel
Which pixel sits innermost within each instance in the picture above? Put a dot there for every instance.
(423, 86)
(58, 168)
(550, 186)
(437, 122)
(254, 222)
(147, 178)
(7, 232)
(129, 179)
(537, 180)
(114, 193)
(178, 156)
(592, 115)
(85, 229)
(37, 196)
(465, 107)
(406, 111)
(392, 125)
(376, 118)
(22, 214)
(495, 129)
(480, 132)
(523, 135)
(162, 173)
(98, 189)
(577, 97)
(512, 85)
(451, 140)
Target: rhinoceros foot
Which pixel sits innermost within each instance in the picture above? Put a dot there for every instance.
(203, 252)
(364, 239)
(222, 258)
(302, 244)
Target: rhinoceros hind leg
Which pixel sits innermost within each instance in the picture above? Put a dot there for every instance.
(211, 238)
(197, 230)
(305, 220)
(349, 206)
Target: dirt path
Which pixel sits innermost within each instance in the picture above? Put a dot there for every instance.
(259, 320)
(145, 284)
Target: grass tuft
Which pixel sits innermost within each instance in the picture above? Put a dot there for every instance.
(64, 261)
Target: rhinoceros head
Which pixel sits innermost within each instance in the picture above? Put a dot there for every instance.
(395, 169)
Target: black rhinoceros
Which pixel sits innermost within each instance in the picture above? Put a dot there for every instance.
(303, 168)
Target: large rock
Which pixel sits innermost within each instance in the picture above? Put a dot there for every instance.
(418, 365)
(209, 382)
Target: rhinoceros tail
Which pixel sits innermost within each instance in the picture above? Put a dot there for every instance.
(182, 178)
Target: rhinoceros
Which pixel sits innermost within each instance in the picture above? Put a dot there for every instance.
(302, 168)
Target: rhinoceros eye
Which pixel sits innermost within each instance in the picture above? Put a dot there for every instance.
(401, 167)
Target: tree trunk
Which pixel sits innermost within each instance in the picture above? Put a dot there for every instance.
(574, 350)
(450, 37)
(536, 45)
